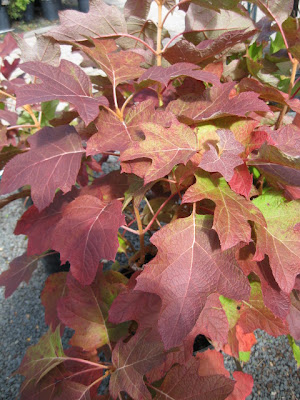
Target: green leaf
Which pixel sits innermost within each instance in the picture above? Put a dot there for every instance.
(48, 111)
(43, 357)
(244, 356)
(296, 349)
(231, 310)
(277, 44)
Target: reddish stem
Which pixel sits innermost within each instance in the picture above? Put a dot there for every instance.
(158, 211)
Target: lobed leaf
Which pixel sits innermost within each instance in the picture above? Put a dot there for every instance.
(232, 211)
(119, 66)
(185, 51)
(52, 162)
(87, 233)
(216, 102)
(67, 82)
(55, 288)
(189, 249)
(165, 146)
(183, 382)
(20, 270)
(164, 75)
(101, 20)
(85, 309)
(226, 158)
(132, 360)
(279, 240)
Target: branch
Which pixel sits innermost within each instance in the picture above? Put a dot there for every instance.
(291, 85)
(15, 196)
(141, 233)
(158, 211)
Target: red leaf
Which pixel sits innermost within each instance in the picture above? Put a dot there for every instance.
(293, 318)
(42, 358)
(40, 226)
(138, 8)
(8, 45)
(255, 315)
(132, 361)
(185, 51)
(226, 158)
(274, 298)
(280, 169)
(183, 382)
(243, 386)
(189, 250)
(45, 50)
(232, 211)
(216, 102)
(164, 75)
(7, 69)
(287, 140)
(119, 66)
(137, 306)
(101, 20)
(212, 323)
(108, 187)
(279, 240)
(242, 180)
(9, 116)
(67, 82)
(87, 233)
(268, 93)
(165, 146)
(20, 270)
(85, 309)
(121, 134)
(55, 288)
(212, 363)
(52, 162)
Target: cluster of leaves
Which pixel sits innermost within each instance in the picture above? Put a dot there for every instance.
(209, 169)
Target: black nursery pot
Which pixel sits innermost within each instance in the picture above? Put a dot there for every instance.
(49, 8)
(83, 6)
(29, 12)
(52, 264)
(4, 19)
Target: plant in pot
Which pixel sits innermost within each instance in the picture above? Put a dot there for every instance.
(21, 8)
(208, 159)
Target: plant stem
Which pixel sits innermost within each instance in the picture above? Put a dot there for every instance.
(159, 33)
(12, 197)
(9, 128)
(158, 46)
(27, 108)
(130, 230)
(291, 85)
(151, 210)
(158, 211)
(238, 365)
(141, 233)
(125, 104)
